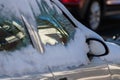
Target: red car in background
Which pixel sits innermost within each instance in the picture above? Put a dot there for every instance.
(91, 12)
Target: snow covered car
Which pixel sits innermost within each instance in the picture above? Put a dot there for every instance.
(41, 40)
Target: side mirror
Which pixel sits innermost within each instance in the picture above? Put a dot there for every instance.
(97, 47)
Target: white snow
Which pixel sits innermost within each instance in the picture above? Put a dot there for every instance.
(114, 54)
(96, 48)
(28, 60)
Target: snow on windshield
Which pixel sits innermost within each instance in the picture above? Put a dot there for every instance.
(28, 60)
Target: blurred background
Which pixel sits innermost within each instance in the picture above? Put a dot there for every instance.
(102, 16)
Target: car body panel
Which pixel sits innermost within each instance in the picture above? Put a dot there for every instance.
(112, 7)
(115, 39)
(112, 2)
(115, 71)
(47, 76)
(88, 72)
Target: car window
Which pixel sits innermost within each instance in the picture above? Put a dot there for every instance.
(53, 26)
(13, 34)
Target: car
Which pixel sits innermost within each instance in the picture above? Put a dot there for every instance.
(115, 39)
(92, 12)
(41, 40)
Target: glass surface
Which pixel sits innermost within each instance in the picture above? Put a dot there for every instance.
(12, 30)
(53, 26)
(12, 35)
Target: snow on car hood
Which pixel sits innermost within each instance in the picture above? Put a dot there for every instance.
(114, 53)
(28, 60)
